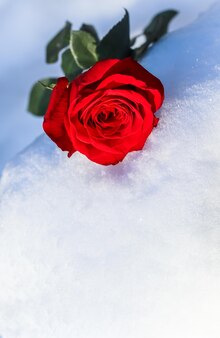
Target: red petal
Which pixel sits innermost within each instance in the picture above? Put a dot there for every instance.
(131, 67)
(55, 116)
(94, 74)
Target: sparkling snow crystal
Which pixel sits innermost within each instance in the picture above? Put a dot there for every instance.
(126, 251)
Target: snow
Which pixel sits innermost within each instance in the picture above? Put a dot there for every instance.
(130, 250)
(26, 27)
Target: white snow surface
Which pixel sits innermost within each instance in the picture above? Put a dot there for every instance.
(27, 26)
(125, 251)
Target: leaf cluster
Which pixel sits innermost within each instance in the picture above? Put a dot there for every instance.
(81, 49)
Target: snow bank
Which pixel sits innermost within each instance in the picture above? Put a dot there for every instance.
(22, 54)
(130, 250)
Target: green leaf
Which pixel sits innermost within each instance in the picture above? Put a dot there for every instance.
(60, 41)
(90, 29)
(154, 31)
(83, 49)
(69, 65)
(45, 84)
(116, 44)
(159, 25)
(40, 96)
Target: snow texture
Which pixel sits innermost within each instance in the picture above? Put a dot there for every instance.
(27, 26)
(131, 250)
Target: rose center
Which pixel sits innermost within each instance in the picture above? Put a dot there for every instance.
(106, 116)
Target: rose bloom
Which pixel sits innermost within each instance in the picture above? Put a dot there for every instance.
(105, 112)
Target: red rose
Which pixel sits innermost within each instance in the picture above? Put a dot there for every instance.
(106, 111)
